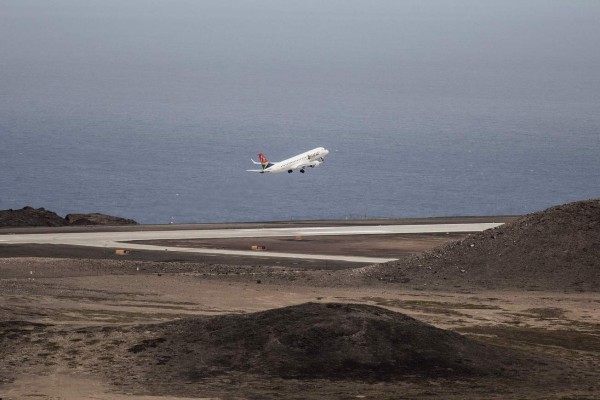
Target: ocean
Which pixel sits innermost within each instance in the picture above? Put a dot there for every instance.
(151, 110)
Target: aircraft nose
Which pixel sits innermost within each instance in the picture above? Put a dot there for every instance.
(326, 151)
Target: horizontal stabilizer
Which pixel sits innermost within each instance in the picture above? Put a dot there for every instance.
(255, 170)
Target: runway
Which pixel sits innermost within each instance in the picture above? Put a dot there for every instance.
(120, 239)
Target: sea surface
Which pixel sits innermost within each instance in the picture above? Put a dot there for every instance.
(152, 109)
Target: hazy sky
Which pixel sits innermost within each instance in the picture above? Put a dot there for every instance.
(445, 96)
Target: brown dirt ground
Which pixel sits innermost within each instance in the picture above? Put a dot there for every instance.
(75, 299)
(67, 325)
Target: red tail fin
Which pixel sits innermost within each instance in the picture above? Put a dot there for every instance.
(263, 160)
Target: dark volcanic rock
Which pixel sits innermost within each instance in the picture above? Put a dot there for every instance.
(555, 249)
(332, 341)
(97, 219)
(29, 216)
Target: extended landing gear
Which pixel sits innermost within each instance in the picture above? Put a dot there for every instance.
(289, 171)
(302, 171)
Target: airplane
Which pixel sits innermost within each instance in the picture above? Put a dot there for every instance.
(312, 158)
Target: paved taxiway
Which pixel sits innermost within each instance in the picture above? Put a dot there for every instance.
(120, 239)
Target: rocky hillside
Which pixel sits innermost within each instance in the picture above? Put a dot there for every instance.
(29, 216)
(555, 249)
(97, 219)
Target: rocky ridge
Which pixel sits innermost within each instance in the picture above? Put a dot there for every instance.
(29, 216)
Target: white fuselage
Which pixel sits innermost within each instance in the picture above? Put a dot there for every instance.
(312, 158)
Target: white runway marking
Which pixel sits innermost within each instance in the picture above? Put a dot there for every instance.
(248, 253)
(117, 239)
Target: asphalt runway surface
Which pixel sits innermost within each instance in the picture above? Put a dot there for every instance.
(122, 240)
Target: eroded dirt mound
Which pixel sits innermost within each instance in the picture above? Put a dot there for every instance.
(555, 249)
(333, 341)
(29, 216)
